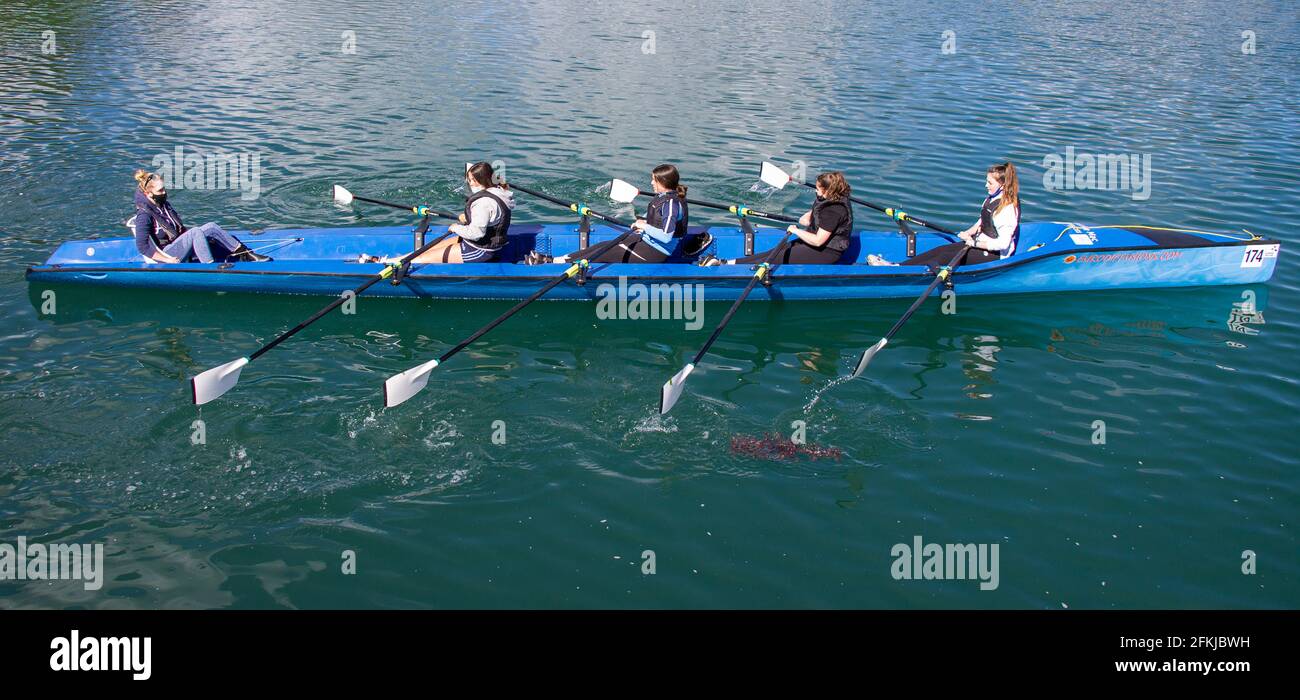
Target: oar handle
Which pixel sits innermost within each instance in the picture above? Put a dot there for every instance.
(579, 208)
(893, 213)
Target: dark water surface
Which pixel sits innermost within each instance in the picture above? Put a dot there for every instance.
(973, 428)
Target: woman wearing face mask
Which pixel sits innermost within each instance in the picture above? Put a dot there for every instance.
(657, 237)
(481, 233)
(991, 238)
(822, 235)
(160, 236)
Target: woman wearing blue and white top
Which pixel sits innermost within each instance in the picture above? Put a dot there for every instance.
(657, 237)
(991, 238)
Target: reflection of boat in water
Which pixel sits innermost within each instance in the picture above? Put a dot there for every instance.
(818, 341)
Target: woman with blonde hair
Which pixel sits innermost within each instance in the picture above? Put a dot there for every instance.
(160, 236)
(991, 238)
(822, 235)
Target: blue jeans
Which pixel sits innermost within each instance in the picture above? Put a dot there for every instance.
(195, 241)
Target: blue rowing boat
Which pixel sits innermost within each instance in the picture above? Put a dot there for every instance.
(1051, 257)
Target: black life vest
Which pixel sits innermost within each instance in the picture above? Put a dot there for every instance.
(842, 235)
(496, 234)
(987, 227)
(655, 217)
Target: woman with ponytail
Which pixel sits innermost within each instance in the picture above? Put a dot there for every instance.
(481, 233)
(823, 233)
(658, 236)
(160, 236)
(991, 238)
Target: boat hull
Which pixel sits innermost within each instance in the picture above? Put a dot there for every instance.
(1055, 258)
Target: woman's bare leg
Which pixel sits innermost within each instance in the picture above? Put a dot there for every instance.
(448, 251)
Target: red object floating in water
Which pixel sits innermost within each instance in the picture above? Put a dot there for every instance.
(778, 447)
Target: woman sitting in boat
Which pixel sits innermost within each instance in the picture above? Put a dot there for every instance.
(658, 236)
(991, 238)
(160, 235)
(481, 233)
(822, 235)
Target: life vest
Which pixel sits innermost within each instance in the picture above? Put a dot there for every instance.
(842, 235)
(989, 229)
(496, 233)
(654, 214)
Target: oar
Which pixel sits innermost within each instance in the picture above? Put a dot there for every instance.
(623, 191)
(214, 382)
(343, 196)
(943, 274)
(672, 389)
(778, 178)
(400, 387)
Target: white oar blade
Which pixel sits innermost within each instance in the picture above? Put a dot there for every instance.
(401, 387)
(623, 191)
(208, 385)
(866, 357)
(673, 389)
(341, 195)
(773, 175)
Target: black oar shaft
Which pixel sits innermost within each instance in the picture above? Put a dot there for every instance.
(733, 208)
(892, 212)
(388, 271)
(314, 318)
(753, 281)
(943, 274)
(743, 210)
(414, 210)
(580, 208)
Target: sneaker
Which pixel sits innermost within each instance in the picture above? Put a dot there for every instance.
(709, 260)
(878, 261)
(536, 258)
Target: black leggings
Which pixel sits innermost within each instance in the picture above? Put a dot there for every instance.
(799, 253)
(637, 251)
(944, 253)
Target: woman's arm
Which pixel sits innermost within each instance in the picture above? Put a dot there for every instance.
(144, 242)
(815, 239)
(479, 216)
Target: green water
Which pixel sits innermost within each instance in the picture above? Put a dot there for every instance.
(970, 428)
